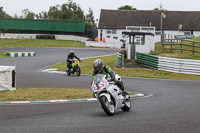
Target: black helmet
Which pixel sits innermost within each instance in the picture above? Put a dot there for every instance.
(98, 65)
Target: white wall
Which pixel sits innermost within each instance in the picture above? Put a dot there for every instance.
(149, 40)
(169, 34)
(111, 39)
(196, 33)
(147, 47)
(102, 44)
(33, 36)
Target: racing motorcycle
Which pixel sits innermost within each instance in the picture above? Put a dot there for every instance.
(110, 95)
(75, 69)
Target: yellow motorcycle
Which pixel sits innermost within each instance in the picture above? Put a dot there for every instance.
(75, 68)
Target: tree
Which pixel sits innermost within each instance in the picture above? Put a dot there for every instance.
(3, 14)
(15, 16)
(126, 7)
(42, 15)
(69, 11)
(89, 19)
(26, 14)
(156, 9)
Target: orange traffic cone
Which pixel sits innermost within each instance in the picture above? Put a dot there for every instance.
(104, 40)
(96, 39)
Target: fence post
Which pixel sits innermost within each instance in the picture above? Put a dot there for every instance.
(193, 47)
(163, 46)
(181, 46)
(123, 60)
(171, 46)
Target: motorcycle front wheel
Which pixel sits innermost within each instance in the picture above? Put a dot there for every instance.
(78, 71)
(127, 105)
(108, 107)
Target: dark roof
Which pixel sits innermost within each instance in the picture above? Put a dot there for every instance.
(137, 33)
(119, 19)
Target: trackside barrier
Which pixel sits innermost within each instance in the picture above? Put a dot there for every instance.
(7, 78)
(21, 54)
(183, 66)
(147, 60)
(120, 59)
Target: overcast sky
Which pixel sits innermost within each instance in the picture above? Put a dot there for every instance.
(16, 6)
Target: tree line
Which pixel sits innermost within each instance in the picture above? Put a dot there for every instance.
(69, 11)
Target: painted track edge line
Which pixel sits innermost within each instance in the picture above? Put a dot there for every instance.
(40, 70)
(139, 95)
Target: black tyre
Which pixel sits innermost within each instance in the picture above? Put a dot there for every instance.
(68, 72)
(78, 71)
(109, 108)
(127, 105)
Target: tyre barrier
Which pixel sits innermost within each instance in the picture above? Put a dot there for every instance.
(21, 54)
(120, 59)
(183, 66)
(45, 37)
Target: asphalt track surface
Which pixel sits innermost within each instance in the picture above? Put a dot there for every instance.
(174, 106)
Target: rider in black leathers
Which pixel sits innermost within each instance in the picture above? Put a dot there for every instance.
(70, 58)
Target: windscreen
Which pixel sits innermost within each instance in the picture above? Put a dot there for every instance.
(98, 78)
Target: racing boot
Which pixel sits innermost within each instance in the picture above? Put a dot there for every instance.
(125, 92)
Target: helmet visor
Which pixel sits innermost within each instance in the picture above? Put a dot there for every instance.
(97, 68)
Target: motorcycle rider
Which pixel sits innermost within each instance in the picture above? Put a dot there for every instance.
(70, 58)
(99, 68)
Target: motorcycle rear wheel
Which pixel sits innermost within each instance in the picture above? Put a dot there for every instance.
(108, 108)
(68, 72)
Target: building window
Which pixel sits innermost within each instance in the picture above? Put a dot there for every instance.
(108, 31)
(139, 40)
(187, 33)
(114, 31)
(111, 31)
(158, 33)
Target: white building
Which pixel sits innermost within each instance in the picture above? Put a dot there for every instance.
(183, 24)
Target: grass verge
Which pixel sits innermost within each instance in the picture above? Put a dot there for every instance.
(34, 94)
(87, 68)
(3, 54)
(177, 53)
(22, 43)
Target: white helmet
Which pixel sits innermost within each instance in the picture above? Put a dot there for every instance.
(71, 51)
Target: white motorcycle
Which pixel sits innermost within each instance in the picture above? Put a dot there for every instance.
(110, 95)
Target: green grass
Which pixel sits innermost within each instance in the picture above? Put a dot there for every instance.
(87, 68)
(3, 54)
(34, 94)
(177, 53)
(21, 43)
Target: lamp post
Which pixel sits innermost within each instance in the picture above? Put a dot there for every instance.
(180, 26)
(161, 26)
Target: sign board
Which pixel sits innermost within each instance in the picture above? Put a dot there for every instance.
(184, 36)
